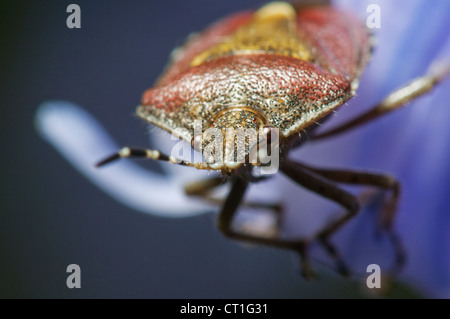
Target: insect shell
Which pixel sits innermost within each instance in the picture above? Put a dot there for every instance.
(281, 67)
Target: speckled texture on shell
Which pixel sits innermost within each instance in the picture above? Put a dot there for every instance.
(341, 42)
(288, 92)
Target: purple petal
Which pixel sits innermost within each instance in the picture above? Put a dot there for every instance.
(411, 144)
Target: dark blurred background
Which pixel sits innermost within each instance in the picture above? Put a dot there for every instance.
(51, 216)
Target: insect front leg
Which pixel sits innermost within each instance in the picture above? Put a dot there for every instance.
(203, 189)
(227, 214)
(395, 100)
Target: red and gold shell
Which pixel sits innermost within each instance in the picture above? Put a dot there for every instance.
(279, 66)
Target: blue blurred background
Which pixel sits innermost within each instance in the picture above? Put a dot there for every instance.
(52, 217)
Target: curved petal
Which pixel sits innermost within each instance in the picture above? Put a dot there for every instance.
(82, 141)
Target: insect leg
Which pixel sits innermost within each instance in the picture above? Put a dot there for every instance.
(324, 187)
(224, 224)
(203, 188)
(151, 154)
(395, 100)
(387, 216)
(382, 181)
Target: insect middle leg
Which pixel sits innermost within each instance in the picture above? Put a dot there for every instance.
(203, 189)
(302, 173)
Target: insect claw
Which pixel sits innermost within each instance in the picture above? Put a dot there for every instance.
(334, 254)
(306, 269)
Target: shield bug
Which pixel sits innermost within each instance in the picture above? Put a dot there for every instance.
(261, 82)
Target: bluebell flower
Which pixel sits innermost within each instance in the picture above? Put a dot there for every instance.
(411, 144)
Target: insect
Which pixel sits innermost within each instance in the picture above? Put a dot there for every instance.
(267, 79)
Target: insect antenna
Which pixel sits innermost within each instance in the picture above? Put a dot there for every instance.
(149, 154)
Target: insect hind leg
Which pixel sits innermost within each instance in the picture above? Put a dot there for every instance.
(388, 211)
(224, 224)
